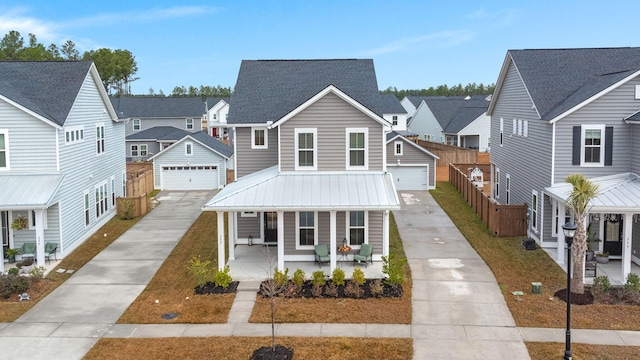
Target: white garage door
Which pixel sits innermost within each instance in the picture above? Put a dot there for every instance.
(199, 177)
(410, 177)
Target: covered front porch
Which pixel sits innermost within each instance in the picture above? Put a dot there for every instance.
(612, 269)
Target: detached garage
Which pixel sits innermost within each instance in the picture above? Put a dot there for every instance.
(195, 162)
(411, 166)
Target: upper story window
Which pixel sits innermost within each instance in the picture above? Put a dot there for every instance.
(189, 124)
(357, 152)
(259, 138)
(502, 130)
(397, 146)
(73, 134)
(100, 139)
(135, 150)
(4, 149)
(306, 153)
(215, 117)
(394, 120)
(136, 124)
(592, 145)
(188, 148)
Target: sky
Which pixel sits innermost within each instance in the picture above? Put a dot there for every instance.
(414, 44)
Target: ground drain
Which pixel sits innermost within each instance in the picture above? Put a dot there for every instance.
(170, 316)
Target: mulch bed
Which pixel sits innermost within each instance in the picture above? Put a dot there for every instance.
(342, 291)
(212, 288)
(615, 296)
(267, 353)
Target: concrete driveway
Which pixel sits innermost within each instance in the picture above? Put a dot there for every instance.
(69, 321)
(458, 309)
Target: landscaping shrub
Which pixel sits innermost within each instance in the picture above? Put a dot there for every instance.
(601, 285)
(377, 288)
(353, 290)
(358, 276)
(316, 290)
(633, 283)
(317, 278)
(298, 277)
(37, 272)
(337, 277)
(10, 285)
(393, 268)
(201, 270)
(331, 290)
(281, 278)
(222, 277)
(13, 271)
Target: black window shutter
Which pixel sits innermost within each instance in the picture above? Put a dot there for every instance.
(608, 146)
(577, 142)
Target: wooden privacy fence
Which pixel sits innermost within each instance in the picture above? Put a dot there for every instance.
(135, 205)
(502, 220)
(139, 182)
(449, 154)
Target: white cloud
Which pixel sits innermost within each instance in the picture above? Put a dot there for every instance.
(447, 38)
(16, 19)
(142, 15)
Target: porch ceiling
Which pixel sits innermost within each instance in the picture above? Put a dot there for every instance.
(271, 190)
(28, 191)
(618, 193)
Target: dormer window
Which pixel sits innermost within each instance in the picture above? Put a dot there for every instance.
(188, 148)
(259, 138)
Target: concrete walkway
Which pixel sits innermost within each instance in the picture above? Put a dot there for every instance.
(458, 309)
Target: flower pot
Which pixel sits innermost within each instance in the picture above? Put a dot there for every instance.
(589, 255)
(602, 259)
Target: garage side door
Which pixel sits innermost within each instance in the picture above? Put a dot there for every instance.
(204, 177)
(410, 177)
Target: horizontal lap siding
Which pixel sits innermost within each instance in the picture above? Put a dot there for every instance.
(51, 233)
(411, 155)
(635, 149)
(251, 160)
(175, 155)
(248, 226)
(148, 123)
(331, 116)
(375, 231)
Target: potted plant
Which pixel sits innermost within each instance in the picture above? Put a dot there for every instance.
(602, 257)
(19, 222)
(11, 254)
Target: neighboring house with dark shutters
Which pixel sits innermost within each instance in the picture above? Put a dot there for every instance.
(310, 152)
(62, 161)
(557, 112)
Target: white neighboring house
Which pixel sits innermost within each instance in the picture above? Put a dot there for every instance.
(194, 162)
(62, 158)
(217, 111)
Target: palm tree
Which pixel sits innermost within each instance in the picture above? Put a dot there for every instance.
(578, 201)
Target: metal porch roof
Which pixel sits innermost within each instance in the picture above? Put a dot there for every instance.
(618, 193)
(271, 190)
(28, 191)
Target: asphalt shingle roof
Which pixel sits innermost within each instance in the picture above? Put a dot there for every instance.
(559, 79)
(390, 104)
(158, 106)
(267, 90)
(456, 110)
(48, 88)
(170, 133)
(213, 143)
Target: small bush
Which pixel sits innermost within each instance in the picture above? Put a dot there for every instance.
(298, 277)
(201, 270)
(316, 290)
(317, 278)
(353, 290)
(633, 283)
(37, 272)
(13, 271)
(337, 277)
(394, 269)
(10, 284)
(281, 278)
(358, 276)
(377, 289)
(601, 285)
(222, 277)
(331, 290)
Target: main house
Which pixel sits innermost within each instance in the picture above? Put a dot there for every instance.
(310, 159)
(557, 112)
(62, 161)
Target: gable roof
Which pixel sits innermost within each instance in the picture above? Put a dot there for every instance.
(47, 88)
(158, 106)
(465, 116)
(212, 143)
(267, 90)
(459, 111)
(397, 135)
(211, 102)
(558, 80)
(389, 104)
(179, 136)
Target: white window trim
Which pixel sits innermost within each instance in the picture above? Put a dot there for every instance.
(137, 150)
(5, 132)
(515, 126)
(602, 145)
(86, 204)
(501, 131)
(519, 127)
(394, 120)
(187, 124)
(137, 124)
(70, 134)
(497, 188)
(253, 138)
(315, 232)
(144, 150)
(101, 212)
(188, 145)
(366, 148)
(525, 128)
(395, 148)
(313, 131)
(32, 219)
(534, 210)
(507, 189)
(100, 146)
(347, 221)
(113, 192)
(249, 214)
(124, 183)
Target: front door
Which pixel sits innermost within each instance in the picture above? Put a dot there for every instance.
(613, 234)
(271, 227)
(4, 228)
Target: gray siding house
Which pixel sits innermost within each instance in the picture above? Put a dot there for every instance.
(310, 160)
(62, 161)
(412, 167)
(557, 112)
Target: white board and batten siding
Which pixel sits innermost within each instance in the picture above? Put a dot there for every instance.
(203, 170)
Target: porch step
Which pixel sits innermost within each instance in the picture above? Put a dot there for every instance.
(249, 285)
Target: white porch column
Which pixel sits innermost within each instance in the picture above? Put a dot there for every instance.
(333, 248)
(232, 235)
(561, 239)
(626, 246)
(1, 258)
(281, 240)
(385, 233)
(221, 252)
(40, 237)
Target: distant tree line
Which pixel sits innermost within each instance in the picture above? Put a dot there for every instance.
(443, 90)
(202, 91)
(116, 67)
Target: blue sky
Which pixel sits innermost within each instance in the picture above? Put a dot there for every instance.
(414, 44)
